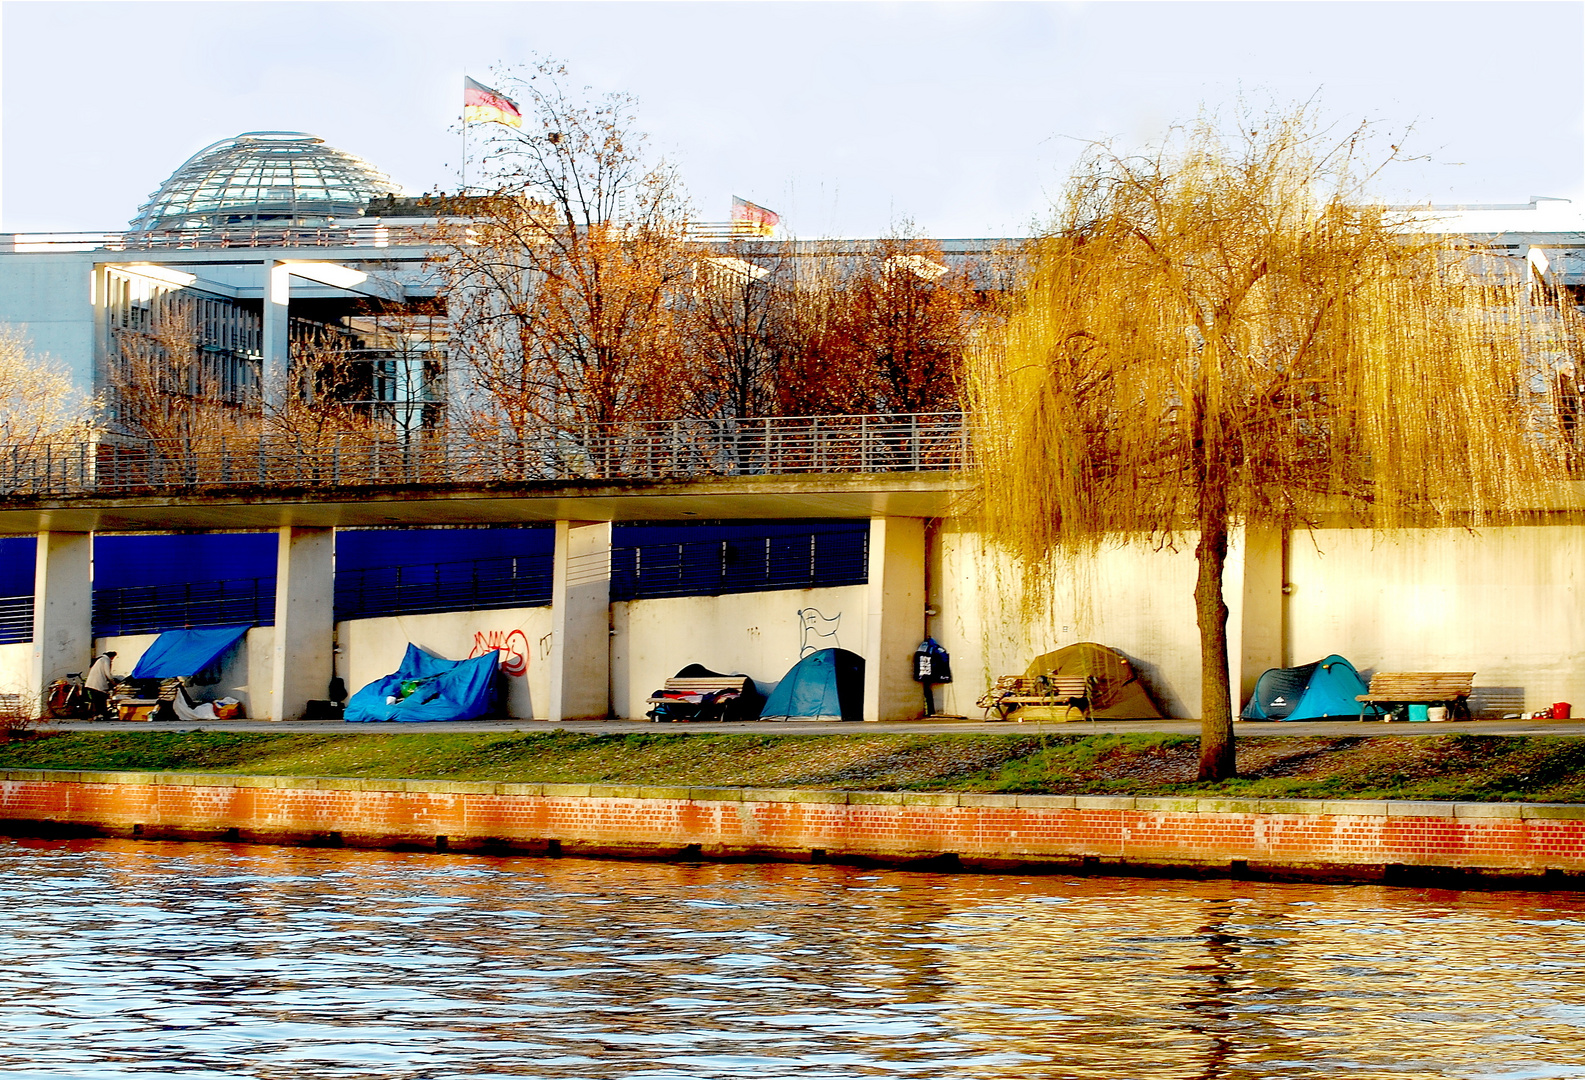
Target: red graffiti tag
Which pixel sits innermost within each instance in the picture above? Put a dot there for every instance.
(513, 645)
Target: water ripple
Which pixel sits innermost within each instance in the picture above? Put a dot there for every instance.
(123, 959)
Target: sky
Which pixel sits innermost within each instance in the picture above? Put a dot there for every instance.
(849, 119)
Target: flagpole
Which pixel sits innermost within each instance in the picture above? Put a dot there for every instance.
(464, 134)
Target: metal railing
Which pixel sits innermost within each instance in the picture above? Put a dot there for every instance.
(16, 619)
(153, 609)
(364, 234)
(740, 564)
(642, 450)
(465, 585)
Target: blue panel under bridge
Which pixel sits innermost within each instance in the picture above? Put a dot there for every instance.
(384, 572)
(16, 588)
(716, 558)
(151, 584)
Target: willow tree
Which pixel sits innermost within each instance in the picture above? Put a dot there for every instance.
(1225, 333)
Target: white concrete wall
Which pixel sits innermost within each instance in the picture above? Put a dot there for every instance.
(1504, 603)
(16, 664)
(760, 634)
(372, 648)
(1135, 599)
(245, 675)
(48, 297)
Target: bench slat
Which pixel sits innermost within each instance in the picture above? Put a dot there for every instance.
(1419, 686)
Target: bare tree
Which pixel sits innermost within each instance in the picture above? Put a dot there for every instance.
(565, 282)
(42, 415)
(166, 386)
(1225, 333)
(880, 329)
(738, 321)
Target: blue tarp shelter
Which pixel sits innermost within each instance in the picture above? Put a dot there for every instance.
(826, 685)
(429, 688)
(1325, 688)
(187, 652)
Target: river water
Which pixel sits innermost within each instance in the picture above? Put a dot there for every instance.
(126, 958)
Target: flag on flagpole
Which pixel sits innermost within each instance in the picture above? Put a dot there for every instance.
(481, 105)
(752, 218)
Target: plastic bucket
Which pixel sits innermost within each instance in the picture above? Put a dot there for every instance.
(1419, 714)
(1561, 710)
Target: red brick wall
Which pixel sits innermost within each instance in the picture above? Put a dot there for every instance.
(1364, 840)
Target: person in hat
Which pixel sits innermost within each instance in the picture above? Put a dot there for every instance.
(98, 685)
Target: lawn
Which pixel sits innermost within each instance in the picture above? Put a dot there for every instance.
(1460, 766)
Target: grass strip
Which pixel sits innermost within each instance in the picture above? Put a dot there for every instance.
(1464, 767)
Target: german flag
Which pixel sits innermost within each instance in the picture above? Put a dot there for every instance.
(481, 105)
(752, 218)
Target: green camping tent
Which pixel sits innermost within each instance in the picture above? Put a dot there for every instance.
(1115, 690)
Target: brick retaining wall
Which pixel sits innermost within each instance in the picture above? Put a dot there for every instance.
(1341, 840)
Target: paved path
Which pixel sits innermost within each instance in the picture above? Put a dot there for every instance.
(1575, 727)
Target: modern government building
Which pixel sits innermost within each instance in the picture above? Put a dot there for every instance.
(597, 592)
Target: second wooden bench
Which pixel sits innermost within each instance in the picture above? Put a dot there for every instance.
(1389, 689)
(1014, 692)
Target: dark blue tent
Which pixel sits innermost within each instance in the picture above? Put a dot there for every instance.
(187, 652)
(429, 688)
(1325, 688)
(827, 685)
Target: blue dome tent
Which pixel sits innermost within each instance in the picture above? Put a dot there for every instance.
(1325, 688)
(826, 685)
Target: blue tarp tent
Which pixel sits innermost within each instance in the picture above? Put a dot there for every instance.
(429, 688)
(186, 652)
(1324, 688)
(827, 685)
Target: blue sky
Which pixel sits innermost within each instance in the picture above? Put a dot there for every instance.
(848, 118)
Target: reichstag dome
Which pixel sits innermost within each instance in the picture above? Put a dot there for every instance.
(274, 179)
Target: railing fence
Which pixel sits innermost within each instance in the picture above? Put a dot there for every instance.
(644, 450)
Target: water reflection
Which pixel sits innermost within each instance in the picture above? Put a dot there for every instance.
(123, 958)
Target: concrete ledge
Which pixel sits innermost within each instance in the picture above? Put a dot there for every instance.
(1046, 802)
(1167, 805)
(795, 795)
(1513, 811)
(1103, 802)
(967, 798)
(877, 798)
(715, 794)
(929, 798)
(1553, 811)
(1355, 808)
(1397, 808)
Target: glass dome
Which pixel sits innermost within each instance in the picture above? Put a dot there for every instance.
(270, 178)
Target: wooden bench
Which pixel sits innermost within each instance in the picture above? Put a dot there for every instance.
(1394, 688)
(698, 698)
(1014, 692)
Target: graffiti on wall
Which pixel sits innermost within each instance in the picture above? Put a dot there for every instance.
(513, 645)
(818, 631)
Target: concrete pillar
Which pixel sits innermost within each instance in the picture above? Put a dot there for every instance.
(895, 616)
(63, 636)
(276, 345)
(580, 622)
(1252, 585)
(305, 581)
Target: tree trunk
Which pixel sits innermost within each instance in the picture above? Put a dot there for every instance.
(1216, 707)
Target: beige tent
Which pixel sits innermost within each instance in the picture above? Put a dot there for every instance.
(1115, 690)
